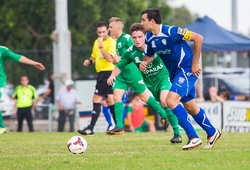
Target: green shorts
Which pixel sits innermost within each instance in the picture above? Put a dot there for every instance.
(137, 86)
(164, 84)
(143, 127)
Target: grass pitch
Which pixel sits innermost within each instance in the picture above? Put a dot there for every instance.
(42, 150)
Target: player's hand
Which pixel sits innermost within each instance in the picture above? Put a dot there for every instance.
(111, 80)
(100, 40)
(116, 59)
(143, 66)
(33, 110)
(196, 70)
(86, 62)
(40, 66)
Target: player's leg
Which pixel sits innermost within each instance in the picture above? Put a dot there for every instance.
(106, 112)
(182, 115)
(119, 87)
(150, 125)
(124, 101)
(89, 130)
(152, 102)
(180, 88)
(171, 118)
(200, 117)
(111, 103)
(101, 90)
(118, 93)
(2, 126)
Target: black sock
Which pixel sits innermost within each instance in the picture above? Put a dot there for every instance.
(112, 111)
(95, 114)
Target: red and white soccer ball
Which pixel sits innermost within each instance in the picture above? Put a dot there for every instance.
(77, 145)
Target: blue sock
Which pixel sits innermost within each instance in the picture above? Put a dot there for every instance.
(105, 110)
(185, 123)
(124, 101)
(203, 121)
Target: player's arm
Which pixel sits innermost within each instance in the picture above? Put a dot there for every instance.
(25, 60)
(146, 60)
(105, 52)
(197, 39)
(106, 55)
(116, 71)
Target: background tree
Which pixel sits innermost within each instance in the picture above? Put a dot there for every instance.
(26, 27)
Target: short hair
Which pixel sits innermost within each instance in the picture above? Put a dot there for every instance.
(101, 24)
(137, 27)
(117, 20)
(154, 14)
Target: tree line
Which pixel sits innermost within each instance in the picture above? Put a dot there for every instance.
(26, 27)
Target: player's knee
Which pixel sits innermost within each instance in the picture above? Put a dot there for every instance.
(117, 98)
(171, 103)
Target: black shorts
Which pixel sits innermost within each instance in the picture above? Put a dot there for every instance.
(101, 87)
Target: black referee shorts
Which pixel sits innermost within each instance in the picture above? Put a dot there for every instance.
(102, 88)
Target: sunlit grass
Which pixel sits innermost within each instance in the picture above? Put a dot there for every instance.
(130, 151)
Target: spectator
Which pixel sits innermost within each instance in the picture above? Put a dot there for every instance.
(50, 94)
(136, 117)
(66, 101)
(24, 95)
(50, 91)
(214, 97)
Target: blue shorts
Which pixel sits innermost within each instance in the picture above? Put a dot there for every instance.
(184, 85)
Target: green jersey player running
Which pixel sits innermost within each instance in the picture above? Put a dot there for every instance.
(130, 77)
(156, 76)
(5, 55)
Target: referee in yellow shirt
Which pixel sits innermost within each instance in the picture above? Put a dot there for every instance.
(24, 95)
(104, 49)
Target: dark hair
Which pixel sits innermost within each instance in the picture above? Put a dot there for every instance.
(101, 24)
(225, 94)
(137, 27)
(154, 14)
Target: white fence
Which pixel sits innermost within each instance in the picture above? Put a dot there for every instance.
(229, 116)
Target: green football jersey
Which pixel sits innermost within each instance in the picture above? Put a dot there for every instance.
(154, 72)
(6, 54)
(122, 44)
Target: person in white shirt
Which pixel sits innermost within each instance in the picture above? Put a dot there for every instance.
(66, 101)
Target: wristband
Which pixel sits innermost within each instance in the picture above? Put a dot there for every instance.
(90, 61)
(100, 47)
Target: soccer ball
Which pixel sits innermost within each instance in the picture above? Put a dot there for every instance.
(77, 145)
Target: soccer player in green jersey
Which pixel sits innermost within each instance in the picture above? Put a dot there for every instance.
(156, 76)
(7, 54)
(129, 77)
(123, 42)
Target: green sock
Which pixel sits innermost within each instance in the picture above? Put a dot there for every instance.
(1, 121)
(119, 114)
(173, 121)
(156, 106)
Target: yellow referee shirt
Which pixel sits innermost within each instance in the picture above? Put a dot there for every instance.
(101, 64)
(24, 96)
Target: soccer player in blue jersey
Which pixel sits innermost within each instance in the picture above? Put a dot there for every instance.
(169, 42)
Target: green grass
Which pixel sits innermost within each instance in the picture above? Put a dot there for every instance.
(39, 150)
